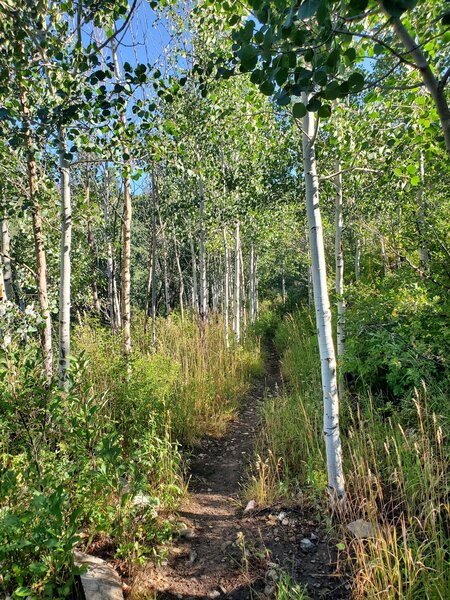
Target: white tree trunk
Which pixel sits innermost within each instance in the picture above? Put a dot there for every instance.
(424, 253)
(242, 292)
(180, 275)
(65, 279)
(195, 306)
(226, 288)
(202, 256)
(126, 230)
(256, 289)
(357, 258)
(39, 248)
(323, 312)
(165, 266)
(252, 286)
(384, 258)
(339, 260)
(5, 246)
(237, 286)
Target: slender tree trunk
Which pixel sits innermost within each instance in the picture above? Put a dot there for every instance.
(92, 246)
(323, 312)
(5, 247)
(202, 256)
(252, 286)
(113, 301)
(424, 253)
(126, 230)
(195, 305)
(237, 286)
(180, 275)
(39, 249)
(357, 258)
(65, 279)
(149, 288)
(153, 278)
(164, 263)
(384, 258)
(242, 292)
(226, 289)
(256, 289)
(435, 88)
(283, 286)
(339, 259)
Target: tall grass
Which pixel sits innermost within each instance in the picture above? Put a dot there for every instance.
(396, 470)
(190, 376)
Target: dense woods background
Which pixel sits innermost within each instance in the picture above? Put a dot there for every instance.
(184, 185)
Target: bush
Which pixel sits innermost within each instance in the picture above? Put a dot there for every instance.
(397, 337)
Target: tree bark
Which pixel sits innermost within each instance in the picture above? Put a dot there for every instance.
(339, 260)
(65, 278)
(226, 289)
(357, 258)
(434, 87)
(195, 305)
(424, 253)
(92, 247)
(39, 248)
(165, 267)
(323, 313)
(237, 286)
(5, 259)
(126, 230)
(202, 256)
(180, 275)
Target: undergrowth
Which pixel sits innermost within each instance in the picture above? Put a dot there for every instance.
(102, 462)
(396, 465)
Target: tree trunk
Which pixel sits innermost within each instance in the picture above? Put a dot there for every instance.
(323, 313)
(126, 230)
(180, 275)
(165, 268)
(65, 280)
(357, 258)
(252, 286)
(202, 257)
(424, 253)
(237, 286)
(226, 288)
(436, 88)
(242, 292)
(92, 247)
(153, 278)
(39, 249)
(256, 289)
(5, 259)
(339, 259)
(195, 306)
(384, 258)
(113, 301)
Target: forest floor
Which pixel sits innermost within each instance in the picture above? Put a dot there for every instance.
(227, 552)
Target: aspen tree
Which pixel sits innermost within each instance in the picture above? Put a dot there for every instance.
(322, 309)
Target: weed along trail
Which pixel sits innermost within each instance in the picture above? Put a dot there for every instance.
(227, 551)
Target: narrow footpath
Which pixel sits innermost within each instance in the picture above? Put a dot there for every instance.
(226, 552)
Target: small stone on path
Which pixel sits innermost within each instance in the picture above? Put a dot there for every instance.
(306, 545)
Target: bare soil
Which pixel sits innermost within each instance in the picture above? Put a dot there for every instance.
(227, 553)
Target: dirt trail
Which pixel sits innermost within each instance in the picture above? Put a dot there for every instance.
(209, 560)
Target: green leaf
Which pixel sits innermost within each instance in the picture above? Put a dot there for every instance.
(308, 8)
(356, 82)
(340, 546)
(249, 58)
(324, 111)
(299, 110)
(267, 88)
